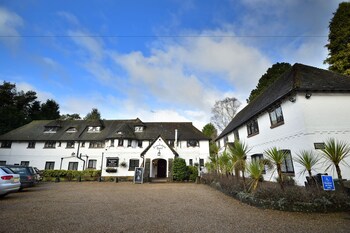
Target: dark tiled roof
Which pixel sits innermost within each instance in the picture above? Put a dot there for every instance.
(299, 78)
(154, 141)
(34, 131)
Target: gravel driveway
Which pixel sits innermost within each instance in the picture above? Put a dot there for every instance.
(125, 207)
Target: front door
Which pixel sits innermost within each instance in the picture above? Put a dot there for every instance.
(161, 168)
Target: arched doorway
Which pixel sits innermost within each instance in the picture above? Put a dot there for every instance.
(161, 168)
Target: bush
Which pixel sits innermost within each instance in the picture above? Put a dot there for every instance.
(179, 169)
(49, 175)
(192, 173)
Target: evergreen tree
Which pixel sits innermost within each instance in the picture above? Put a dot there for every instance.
(93, 115)
(339, 40)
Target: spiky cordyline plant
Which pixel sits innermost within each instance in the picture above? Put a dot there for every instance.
(255, 168)
(334, 154)
(277, 157)
(307, 159)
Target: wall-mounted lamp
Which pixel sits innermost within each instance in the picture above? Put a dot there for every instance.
(73, 154)
(308, 95)
(158, 153)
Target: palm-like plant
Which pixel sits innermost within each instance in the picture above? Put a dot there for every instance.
(255, 168)
(334, 154)
(308, 160)
(277, 157)
(238, 155)
(225, 165)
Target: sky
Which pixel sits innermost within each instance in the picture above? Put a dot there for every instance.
(158, 60)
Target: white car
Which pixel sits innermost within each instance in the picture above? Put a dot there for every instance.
(9, 181)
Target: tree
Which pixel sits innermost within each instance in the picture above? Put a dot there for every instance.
(74, 116)
(224, 111)
(271, 75)
(93, 115)
(339, 40)
(179, 169)
(210, 131)
(335, 153)
(15, 107)
(50, 110)
(308, 160)
(276, 158)
(238, 156)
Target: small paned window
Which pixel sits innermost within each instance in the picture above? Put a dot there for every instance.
(49, 165)
(129, 142)
(192, 143)
(171, 143)
(71, 130)
(236, 135)
(97, 144)
(73, 166)
(201, 164)
(133, 163)
(70, 145)
(139, 144)
(253, 127)
(31, 145)
(191, 162)
(287, 165)
(25, 163)
(6, 144)
(138, 128)
(92, 164)
(112, 142)
(50, 129)
(276, 117)
(2, 162)
(120, 142)
(94, 129)
(82, 144)
(50, 144)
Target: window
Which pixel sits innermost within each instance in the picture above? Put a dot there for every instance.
(129, 142)
(287, 165)
(97, 144)
(139, 144)
(171, 143)
(112, 142)
(191, 162)
(258, 157)
(319, 145)
(225, 140)
(31, 145)
(112, 162)
(92, 163)
(276, 117)
(50, 129)
(70, 145)
(71, 130)
(120, 142)
(236, 135)
(2, 162)
(49, 165)
(73, 166)
(25, 163)
(201, 164)
(133, 163)
(94, 129)
(138, 128)
(50, 144)
(82, 144)
(253, 127)
(6, 144)
(192, 143)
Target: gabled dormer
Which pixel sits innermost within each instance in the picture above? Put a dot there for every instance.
(52, 127)
(94, 126)
(139, 126)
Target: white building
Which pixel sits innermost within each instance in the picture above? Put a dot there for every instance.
(300, 111)
(114, 146)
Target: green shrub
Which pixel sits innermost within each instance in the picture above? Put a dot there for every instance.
(192, 173)
(69, 175)
(179, 169)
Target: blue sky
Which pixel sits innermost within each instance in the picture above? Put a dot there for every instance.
(159, 60)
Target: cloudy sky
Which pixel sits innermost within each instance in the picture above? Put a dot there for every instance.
(159, 60)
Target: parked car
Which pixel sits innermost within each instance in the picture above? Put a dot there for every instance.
(9, 181)
(26, 173)
(39, 174)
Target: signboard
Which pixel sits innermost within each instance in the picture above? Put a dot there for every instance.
(138, 177)
(327, 183)
(112, 162)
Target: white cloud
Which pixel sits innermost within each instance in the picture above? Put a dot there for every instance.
(72, 19)
(42, 95)
(9, 24)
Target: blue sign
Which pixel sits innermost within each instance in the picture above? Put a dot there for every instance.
(328, 183)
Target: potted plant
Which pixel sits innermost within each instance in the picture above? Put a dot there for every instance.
(123, 164)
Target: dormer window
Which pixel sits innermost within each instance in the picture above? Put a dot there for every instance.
(138, 128)
(94, 129)
(192, 143)
(71, 130)
(50, 129)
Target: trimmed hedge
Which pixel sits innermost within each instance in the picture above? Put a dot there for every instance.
(87, 175)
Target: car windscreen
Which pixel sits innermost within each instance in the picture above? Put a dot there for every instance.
(20, 170)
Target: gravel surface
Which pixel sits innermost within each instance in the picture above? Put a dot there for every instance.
(126, 207)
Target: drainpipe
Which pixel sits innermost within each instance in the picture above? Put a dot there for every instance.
(175, 143)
